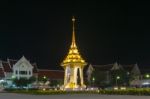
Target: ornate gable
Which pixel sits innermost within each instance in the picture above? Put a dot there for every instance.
(23, 63)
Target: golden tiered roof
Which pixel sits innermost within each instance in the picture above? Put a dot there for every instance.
(73, 56)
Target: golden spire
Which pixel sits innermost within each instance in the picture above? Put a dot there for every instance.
(73, 32)
(73, 56)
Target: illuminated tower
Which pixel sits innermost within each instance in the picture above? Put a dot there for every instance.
(73, 65)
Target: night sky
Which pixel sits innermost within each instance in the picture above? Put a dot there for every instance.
(106, 31)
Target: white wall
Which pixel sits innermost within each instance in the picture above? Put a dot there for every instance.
(23, 68)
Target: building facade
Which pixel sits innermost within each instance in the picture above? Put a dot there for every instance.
(16, 69)
(114, 74)
(23, 68)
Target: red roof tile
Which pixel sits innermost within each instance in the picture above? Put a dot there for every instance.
(103, 67)
(1, 73)
(52, 74)
(12, 62)
(6, 67)
(35, 69)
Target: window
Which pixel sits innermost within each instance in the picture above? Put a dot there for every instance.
(16, 72)
(23, 72)
(29, 72)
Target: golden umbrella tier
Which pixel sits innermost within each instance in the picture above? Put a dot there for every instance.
(73, 57)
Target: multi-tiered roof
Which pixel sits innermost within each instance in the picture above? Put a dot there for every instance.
(73, 56)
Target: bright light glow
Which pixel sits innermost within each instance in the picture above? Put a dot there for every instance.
(147, 76)
(13, 77)
(115, 88)
(44, 77)
(43, 89)
(93, 79)
(145, 83)
(82, 61)
(68, 60)
(75, 51)
(70, 51)
(118, 77)
(55, 88)
(1, 81)
(123, 88)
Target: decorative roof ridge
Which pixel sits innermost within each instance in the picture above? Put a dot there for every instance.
(12, 59)
(102, 65)
(49, 70)
(5, 62)
(127, 64)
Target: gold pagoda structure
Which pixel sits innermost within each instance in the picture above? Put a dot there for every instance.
(73, 65)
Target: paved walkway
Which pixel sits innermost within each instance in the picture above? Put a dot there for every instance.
(72, 96)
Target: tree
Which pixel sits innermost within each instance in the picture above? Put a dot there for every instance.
(119, 77)
(21, 82)
(43, 79)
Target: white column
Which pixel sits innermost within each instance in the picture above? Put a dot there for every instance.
(71, 75)
(65, 76)
(31, 71)
(14, 72)
(27, 75)
(75, 75)
(81, 76)
(18, 75)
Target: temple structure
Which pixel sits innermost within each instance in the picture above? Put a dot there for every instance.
(73, 65)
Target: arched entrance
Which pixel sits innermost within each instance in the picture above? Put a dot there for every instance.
(78, 77)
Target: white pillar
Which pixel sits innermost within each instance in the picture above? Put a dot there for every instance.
(18, 75)
(75, 75)
(81, 76)
(31, 71)
(27, 75)
(65, 76)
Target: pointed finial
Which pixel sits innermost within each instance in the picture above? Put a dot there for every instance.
(23, 57)
(73, 32)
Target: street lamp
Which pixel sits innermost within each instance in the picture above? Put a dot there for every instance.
(93, 79)
(13, 77)
(44, 77)
(117, 78)
(147, 75)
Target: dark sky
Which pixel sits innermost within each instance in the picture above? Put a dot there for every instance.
(106, 31)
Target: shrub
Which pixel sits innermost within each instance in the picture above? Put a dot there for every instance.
(108, 92)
